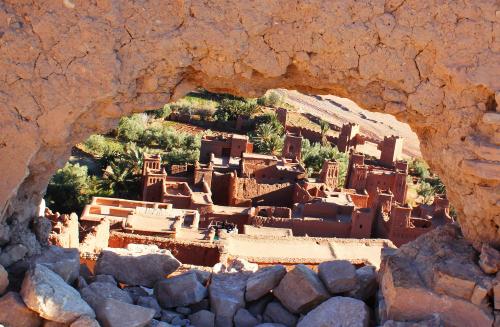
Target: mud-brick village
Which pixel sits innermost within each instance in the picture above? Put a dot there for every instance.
(231, 163)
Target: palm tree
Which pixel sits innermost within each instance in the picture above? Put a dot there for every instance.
(267, 139)
(324, 127)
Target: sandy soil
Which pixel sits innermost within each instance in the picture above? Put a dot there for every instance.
(341, 110)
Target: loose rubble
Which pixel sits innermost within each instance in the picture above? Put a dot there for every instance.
(413, 279)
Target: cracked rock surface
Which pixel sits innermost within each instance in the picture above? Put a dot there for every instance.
(72, 68)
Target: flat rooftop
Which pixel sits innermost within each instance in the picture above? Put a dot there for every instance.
(259, 156)
(307, 250)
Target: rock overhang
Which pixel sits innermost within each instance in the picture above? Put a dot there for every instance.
(70, 71)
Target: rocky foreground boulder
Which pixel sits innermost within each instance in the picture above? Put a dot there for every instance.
(180, 290)
(424, 283)
(227, 295)
(14, 313)
(301, 290)
(437, 273)
(338, 312)
(46, 293)
(64, 262)
(137, 264)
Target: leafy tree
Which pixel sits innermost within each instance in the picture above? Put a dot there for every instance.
(163, 112)
(71, 188)
(268, 136)
(426, 191)
(229, 109)
(313, 156)
(269, 119)
(324, 126)
(121, 178)
(271, 99)
(437, 185)
(418, 167)
(130, 129)
(100, 146)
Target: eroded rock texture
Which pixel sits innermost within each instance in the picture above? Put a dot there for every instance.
(69, 68)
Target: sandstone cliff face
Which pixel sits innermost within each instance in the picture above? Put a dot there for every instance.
(69, 68)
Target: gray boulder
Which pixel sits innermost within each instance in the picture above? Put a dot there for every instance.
(4, 280)
(183, 310)
(263, 281)
(202, 305)
(85, 321)
(257, 307)
(12, 253)
(109, 291)
(270, 324)
(150, 302)
(338, 276)
(81, 283)
(4, 234)
(180, 290)
(243, 318)
(113, 313)
(180, 322)
(169, 315)
(105, 279)
(157, 323)
(135, 292)
(275, 312)
(227, 295)
(64, 262)
(367, 283)
(45, 292)
(141, 265)
(202, 318)
(338, 312)
(300, 290)
(14, 313)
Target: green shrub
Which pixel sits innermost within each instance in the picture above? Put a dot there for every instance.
(418, 167)
(271, 99)
(229, 109)
(269, 119)
(426, 191)
(130, 129)
(268, 135)
(100, 146)
(71, 188)
(163, 112)
(313, 156)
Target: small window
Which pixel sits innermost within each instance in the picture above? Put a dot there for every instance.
(360, 226)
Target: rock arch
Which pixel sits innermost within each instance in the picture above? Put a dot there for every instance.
(70, 68)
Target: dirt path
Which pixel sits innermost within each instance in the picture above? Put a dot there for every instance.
(340, 110)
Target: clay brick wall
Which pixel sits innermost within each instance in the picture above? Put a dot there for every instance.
(186, 252)
(311, 135)
(313, 228)
(263, 192)
(277, 212)
(362, 223)
(300, 194)
(318, 228)
(220, 188)
(360, 200)
(211, 146)
(152, 187)
(391, 149)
